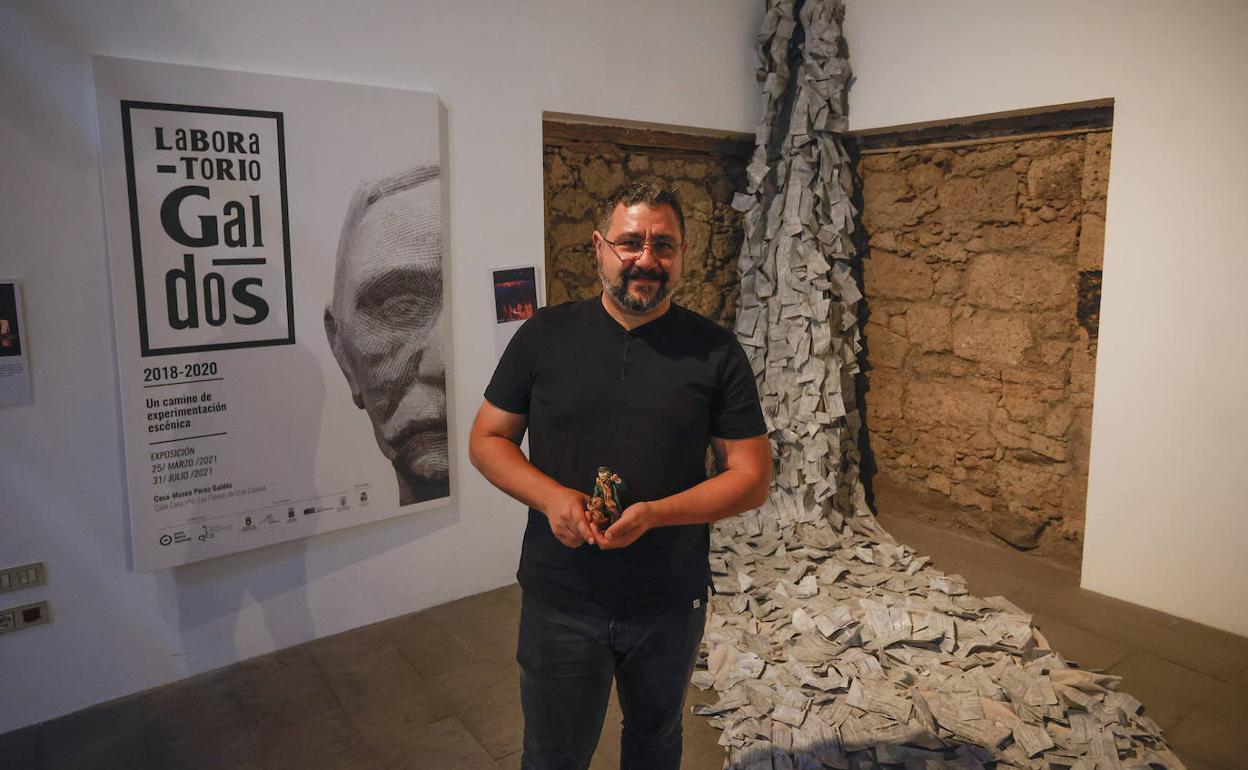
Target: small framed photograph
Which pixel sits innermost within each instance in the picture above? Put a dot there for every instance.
(517, 295)
(14, 372)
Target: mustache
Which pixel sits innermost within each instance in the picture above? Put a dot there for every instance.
(653, 274)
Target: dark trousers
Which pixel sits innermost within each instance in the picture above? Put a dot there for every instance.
(567, 662)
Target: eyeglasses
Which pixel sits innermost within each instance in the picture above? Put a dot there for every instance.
(631, 249)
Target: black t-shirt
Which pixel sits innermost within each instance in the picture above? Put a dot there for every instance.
(644, 402)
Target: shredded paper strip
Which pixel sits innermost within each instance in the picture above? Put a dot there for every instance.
(830, 644)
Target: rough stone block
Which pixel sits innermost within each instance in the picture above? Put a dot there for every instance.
(1038, 148)
(884, 399)
(1048, 447)
(882, 194)
(965, 494)
(1015, 529)
(694, 198)
(948, 283)
(601, 178)
(991, 338)
(885, 161)
(928, 327)
(638, 164)
(1096, 166)
(939, 482)
(1022, 406)
(952, 403)
(1091, 242)
(558, 175)
(1053, 353)
(1019, 282)
(924, 176)
(984, 158)
(1043, 378)
(1008, 433)
(885, 348)
(1045, 239)
(1058, 419)
(991, 198)
(573, 203)
(1056, 178)
(572, 234)
(884, 240)
(949, 251)
(1024, 483)
(889, 275)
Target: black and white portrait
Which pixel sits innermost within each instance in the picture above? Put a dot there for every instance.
(385, 324)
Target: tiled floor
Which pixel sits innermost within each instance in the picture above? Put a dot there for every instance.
(437, 689)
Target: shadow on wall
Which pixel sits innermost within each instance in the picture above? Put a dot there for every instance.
(207, 603)
(867, 468)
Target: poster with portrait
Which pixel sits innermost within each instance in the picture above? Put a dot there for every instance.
(517, 294)
(14, 369)
(277, 274)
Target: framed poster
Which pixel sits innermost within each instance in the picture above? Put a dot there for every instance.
(517, 294)
(14, 366)
(276, 262)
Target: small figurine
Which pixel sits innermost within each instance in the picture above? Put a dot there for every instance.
(605, 504)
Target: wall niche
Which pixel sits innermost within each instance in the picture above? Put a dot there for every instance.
(982, 273)
(587, 159)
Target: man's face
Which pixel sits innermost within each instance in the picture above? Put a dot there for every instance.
(385, 326)
(644, 285)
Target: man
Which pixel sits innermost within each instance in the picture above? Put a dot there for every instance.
(385, 329)
(630, 381)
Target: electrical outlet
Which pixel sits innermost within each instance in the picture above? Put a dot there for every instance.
(25, 616)
(25, 576)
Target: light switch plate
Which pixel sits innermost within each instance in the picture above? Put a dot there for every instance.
(25, 616)
(20, 578)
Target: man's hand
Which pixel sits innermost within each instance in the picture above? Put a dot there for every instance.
(635, 521)
(566, 512)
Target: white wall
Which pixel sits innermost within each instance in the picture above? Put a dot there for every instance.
(497, 66)
(1167, 517)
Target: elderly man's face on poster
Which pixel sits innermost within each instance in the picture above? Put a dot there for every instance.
(385, 325)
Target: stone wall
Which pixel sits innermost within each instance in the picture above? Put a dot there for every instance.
(983, 286)
(580, 174)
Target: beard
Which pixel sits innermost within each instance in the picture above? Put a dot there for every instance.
(627, 302)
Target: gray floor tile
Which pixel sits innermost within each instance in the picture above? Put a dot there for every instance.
(496, 720)
(510, 762)
(360, 641)
(1172, 692)
(208, 734)
(1192, 763)
(281, 689)
(446, 743)
(430, 644)
(1213, 737)
(107, 736)
(187, 692)
(328, 740)
(1087, 649)
(382, 694)
(18, 747)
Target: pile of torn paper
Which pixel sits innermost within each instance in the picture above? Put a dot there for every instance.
(844, 649)
(829, 644)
